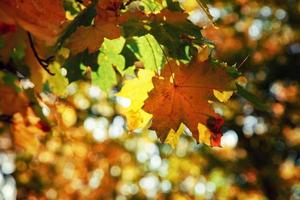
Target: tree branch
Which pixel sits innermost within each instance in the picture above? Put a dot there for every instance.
(44, 63)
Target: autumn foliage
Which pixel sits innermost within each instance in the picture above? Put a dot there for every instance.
(186, 90)
(74, 73)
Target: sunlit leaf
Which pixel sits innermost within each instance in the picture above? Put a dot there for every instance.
(204, 134)
(184, 91)
(148, 51)
(136, 92)
(223, 96)
(173, 136)
(108, 59)
(58, 83)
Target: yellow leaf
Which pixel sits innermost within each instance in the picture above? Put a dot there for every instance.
(173, 137)
(189, 5)
(204, 134)
(58, 83)
(64, 52)
(136, 118)
(222, 96)
(136, 90)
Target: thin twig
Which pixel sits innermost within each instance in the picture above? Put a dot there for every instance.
(243, 61)
(44, 63)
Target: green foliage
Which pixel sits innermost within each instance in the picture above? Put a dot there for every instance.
(133, 27)
(150, 6)
(177, 38)
(148, 50)
(18, 53)
(108, 59)
(76, 65)
(10, 79)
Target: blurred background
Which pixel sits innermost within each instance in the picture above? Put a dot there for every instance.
(91, 156)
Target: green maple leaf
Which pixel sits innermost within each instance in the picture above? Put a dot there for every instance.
(148, 50)
(108, 59)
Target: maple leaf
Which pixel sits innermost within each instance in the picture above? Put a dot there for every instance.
(108, 58)
(92, 37)
(148, 50)
(58, 83)
(136, 91)
(182, 94)
(106, 26)
(43, 18)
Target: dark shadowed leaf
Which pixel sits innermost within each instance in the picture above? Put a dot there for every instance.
(83, 19)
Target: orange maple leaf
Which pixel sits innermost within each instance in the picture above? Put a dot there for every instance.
(92, 37)
(42, 18)
(106, 26)
(182, 94)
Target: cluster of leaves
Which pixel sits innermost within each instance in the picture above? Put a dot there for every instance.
(111, 41)
(70, 133)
